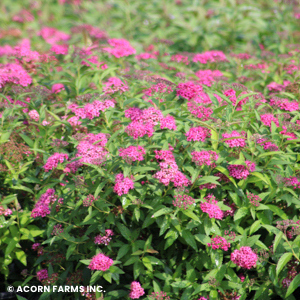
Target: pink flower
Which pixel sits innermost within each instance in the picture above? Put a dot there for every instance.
(168, 122)
(254, 199)
(183, 201)
(205, 158)
(120, 48)
(146, 56)
(60, 49)
(53, 36)
(123, 185)
(113, 85)
(266, 119)
(13, 73)
(136, 291)
(211, 208)
(244, 257)
(241, 171)
(99, 239)
(208, 77)
(132, 153)
(57, 87)
(41, 208)
(53, 161)
(100, 262)
(238, 142)
(197, 134)
(42, 274)
(219, 242)
(189, 90)
(210, 57)
(34, 115)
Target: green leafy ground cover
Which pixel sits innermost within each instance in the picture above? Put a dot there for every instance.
(151, 148)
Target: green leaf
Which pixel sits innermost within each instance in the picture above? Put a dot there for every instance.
(147, 263)
(21, 256)
(241, 213)
(284, 259)
(189, 238)
(191, 215)
(203, 239)
(29, 142)
(124, 231)
(70, 250)
(279, 212)
(277, 240)
(85, 261)
(162, 211)
(255, 226)
(123, 251)
(293, 285)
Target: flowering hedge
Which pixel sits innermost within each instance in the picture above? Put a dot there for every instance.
(152, 172)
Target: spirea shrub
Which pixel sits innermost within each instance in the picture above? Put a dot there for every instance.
(155, 168)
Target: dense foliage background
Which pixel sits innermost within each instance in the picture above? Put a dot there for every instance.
(151, 148)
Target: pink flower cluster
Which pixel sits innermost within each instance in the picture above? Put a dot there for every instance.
(159, 296)
(93, 32)
(205, 158)
(157, 90)
(183, 201)
(53, 36)
(168, 122)
(180, 59)
(91, 110)
(42, 274)
(189, 90)
(285, 104)
(146, 55)
(267, 119)
(105, 240)
(210, 57)
(200, 111)
(5, 212)
(292, 181)
(244, 258)
(88, 201)
(132, 153)
(92, 150)
(100, 262)
(34, 115)
(241, 171)
(219, 242)
(198, 134)
(254, 199)
(267, 145)
(232, 97)
(119, 48)
(23, 16)
(57, 87)
(238, 142)
(136, 291)
(169, 171)
(211, 208)
(41, 208)
(113, 85)
(54, 160)
(208, 77)
(60, 49)
(13, 73)
(143, 121)
(291, 134)
(123, 185)
(57, 229)
(276, 87)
